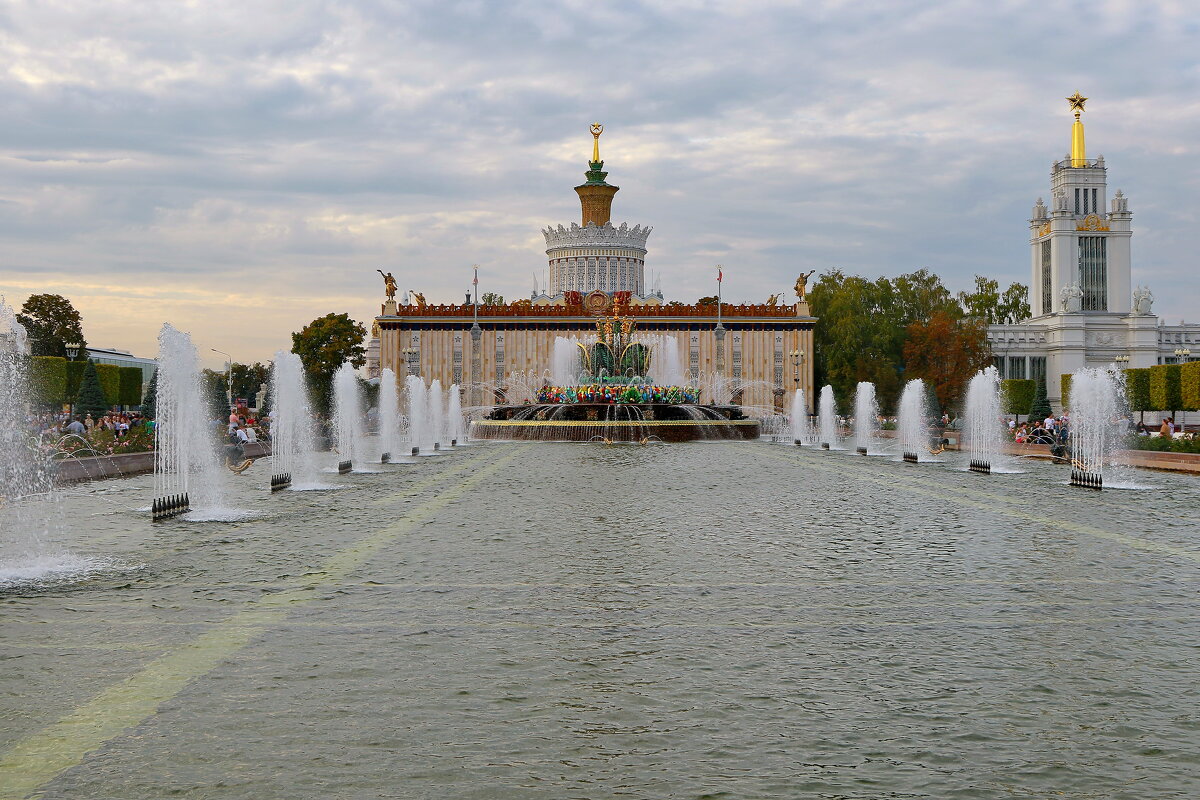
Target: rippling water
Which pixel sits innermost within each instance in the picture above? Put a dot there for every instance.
(569, 621)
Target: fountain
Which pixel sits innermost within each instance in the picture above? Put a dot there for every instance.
(414, 387)
(437, 414)
(454, 416)
(564, 361)
(187, 468)
(866, 417)
(801, 430)
(984, 433)
(827, 428)
(390, 442)
(347, 418)
(613, 398)
(913, 421)
(293, 439)
(1097, 402)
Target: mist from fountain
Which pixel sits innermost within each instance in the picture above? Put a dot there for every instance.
(983, 424)
(827, 428)
(390, 439)
(437, 414)
(293, 438)
(419, 436)
(866, 418)
(348, 416)
(454, 417)
(564, 361)
(912, 420)
(801, 429)
(186, 460)
(1096, 423)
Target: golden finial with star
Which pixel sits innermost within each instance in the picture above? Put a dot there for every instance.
(597, 129)
(1077, 100)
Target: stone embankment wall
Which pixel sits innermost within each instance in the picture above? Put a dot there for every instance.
(73, 470)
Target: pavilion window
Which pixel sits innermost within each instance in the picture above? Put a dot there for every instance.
(1093, 272)
(1047, 280)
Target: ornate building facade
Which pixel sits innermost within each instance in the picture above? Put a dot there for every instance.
(1085, 311)
(751, 354)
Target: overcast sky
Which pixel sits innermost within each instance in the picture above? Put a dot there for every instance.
(239, 169)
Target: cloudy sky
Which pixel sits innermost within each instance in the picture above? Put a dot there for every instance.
(241, 168)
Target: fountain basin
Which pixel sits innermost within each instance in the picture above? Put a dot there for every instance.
(625, 422)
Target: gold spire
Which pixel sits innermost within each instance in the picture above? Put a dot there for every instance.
(1078, 151)
(597, 129)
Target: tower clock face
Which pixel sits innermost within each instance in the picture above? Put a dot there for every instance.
(597, 303)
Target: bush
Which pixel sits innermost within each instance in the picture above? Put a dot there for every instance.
(91, 398)
(1164, 387)
(1189, 385)
(1163, 444)
(150, 400)
(1016, 395)
(74, 378)
(110, 382)
(1137, 390)
(1065, 388)
(1040, 407)
(130, 383)
(48, 379)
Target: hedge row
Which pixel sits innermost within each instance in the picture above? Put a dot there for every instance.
(1165, 387)
(1016, 395)
(55, 381)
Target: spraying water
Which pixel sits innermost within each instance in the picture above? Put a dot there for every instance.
(454, 417)
(414, 387)
(186, 459)
(799, 419)
(390, 440)
(913, 418)
(437, 414)
(293, 440)
(866, 417)
(827, 430)
(1097, 402)
(347, 415)
(565, 361)
(983, 420)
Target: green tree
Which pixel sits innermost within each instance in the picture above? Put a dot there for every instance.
(74, 378)
(213, 388)
(150, 399)
(490, 299)
(1189, 385)
(946, 353)
(711, 300)
(248, 379)
(110, 382)
(987, 303)
(324, 345)
(51, 323)
(1137, 391)
(130, 386)
(1016, 396)
(1165, 387)
(48, 379)
(91, 398)
(1040, 408)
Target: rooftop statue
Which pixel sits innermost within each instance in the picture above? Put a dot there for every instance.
(802, 284)
(389, 284)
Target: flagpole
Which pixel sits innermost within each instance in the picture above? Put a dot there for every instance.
(475, 289)
(719, 276)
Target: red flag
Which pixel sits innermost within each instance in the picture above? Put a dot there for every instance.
(476, 281)
(719, 274)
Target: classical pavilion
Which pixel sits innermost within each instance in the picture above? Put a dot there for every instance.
(756, 353)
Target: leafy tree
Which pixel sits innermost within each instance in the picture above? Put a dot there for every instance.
(1165, 387)
(324, 345)
(1016, 395)
(491, 299)
(248, 379)
(1040, 408)
(150, 399)
(946, 352)
(676, 303)
(91, 398)
(988, 304)
(51, 322)
(48, 379)
(213, 387)
(711, 300)
(1137, 391)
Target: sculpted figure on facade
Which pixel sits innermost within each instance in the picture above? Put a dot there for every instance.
(1143, 299)
(418, 298)
(802, 284)
(773, 300)
(389, 284)
(1071, 297)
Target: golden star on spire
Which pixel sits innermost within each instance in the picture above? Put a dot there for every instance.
(1077, 100)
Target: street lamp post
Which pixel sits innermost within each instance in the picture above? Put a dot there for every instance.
(228, 377)
(1182, 356)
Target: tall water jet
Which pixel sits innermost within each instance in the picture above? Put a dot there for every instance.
(913, 420)
(454, 417)
(801, 433)
(565, 361)
(186, 463)
(1097, 402)
(293, 438)
(437, 413)
(390, 440)
(983, 420)
(827, 429)
(414, 387)
(348, 416)
(866, 417)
